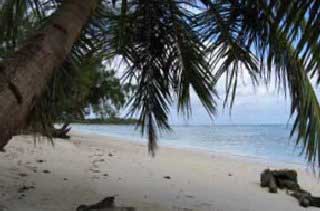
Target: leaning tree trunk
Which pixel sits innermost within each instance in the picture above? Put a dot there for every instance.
(23, 76)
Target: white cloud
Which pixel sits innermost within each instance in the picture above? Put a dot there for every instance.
(262, 105)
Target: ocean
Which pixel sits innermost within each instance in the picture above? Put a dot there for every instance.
(269, 143)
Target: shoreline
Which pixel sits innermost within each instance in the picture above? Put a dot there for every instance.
(88, 168)
(246, 158)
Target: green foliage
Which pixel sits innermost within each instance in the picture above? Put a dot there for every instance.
(271, 36)
(108, 121)
(165, 56)
(82, 80)
(171, 47)
(77, 87)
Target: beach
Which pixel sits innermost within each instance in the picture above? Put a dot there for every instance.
(87, 168)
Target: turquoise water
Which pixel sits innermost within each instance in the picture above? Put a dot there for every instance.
(267, 142)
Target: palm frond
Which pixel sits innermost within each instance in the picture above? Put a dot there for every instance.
(165, 55)
(266, 37)
(230, 53)
(173, 46)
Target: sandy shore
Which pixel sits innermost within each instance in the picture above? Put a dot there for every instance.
(89, 168)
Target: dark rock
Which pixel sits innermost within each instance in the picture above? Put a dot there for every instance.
(286, 174)
(304, 202)
(46, 171)
(107, 202)
(289, 184)
(82, 208)
(23, 175)
(96, 171)
(25, 188)
(61, 132)
(265, 178)
(272, 185)
(286, 178)
(167, 177)
(315, 201)
(3, 208)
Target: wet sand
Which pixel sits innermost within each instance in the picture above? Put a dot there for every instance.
(88, 168)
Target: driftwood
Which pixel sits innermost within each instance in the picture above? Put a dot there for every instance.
(50, 131)
(107, 204)
(305, 199)
(61, 132)
(288, 179)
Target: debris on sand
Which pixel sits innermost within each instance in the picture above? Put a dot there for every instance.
(167, 177)
(95, 171)
(288, 179)
(106, 204)
(25, 188)
(22, 174)
(274, 179)
(46, 171)
(40, 161)
(3, 208)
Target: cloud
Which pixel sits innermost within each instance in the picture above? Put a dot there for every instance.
(263, 104)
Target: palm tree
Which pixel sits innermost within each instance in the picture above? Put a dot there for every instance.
(169, 47)
(74, 89)
(26, 72)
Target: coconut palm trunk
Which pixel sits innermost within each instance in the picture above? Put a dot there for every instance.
(24, 76)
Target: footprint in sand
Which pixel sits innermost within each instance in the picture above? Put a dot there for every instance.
(46, 171)
(3, 208)
(25, 188)
(22, 174)
(99, 153)
(95, 171)
(77, 143)
(22, 190)
(31, 168)
(95, 177)
(40, 161)
(94, 162)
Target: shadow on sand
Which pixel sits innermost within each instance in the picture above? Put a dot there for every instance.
(107, 204)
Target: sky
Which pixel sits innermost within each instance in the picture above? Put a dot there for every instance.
(260, 105)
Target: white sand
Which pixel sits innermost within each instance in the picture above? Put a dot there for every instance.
(199, 180)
